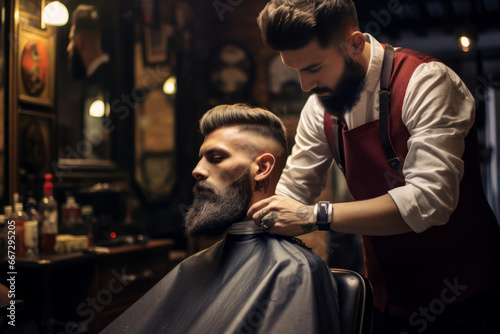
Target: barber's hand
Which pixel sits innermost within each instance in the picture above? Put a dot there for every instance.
(284, 216)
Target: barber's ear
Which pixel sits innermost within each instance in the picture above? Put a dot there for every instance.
(355, 44)
(265, 164)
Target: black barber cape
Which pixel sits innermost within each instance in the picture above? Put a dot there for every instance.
(255, 283)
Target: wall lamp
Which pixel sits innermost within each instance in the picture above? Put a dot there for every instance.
(55, 14)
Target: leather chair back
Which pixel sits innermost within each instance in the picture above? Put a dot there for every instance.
(355, 301)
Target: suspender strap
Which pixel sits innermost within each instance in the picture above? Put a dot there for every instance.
(384, 101)
(338, 144)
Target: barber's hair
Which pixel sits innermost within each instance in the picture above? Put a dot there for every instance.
(86, 18)
(292, 24)
(252, 119)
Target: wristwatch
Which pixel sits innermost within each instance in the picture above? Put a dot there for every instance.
(323, 212)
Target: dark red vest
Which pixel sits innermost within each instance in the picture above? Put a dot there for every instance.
(443, 264)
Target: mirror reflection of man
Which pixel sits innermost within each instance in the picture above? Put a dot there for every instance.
(251, 281)
(89, 63)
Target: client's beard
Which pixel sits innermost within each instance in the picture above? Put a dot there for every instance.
(348, 91)
(76, 65)
(212, 215)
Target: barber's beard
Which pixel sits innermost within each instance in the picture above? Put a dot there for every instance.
(347, 93)
(76, 65)
(211, 215)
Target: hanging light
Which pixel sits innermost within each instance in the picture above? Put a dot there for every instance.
(55, 14)
(467, 38)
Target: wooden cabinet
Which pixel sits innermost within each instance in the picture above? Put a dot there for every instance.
(85, 292)
(123, 276)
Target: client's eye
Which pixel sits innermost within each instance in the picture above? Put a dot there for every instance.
(216, 159)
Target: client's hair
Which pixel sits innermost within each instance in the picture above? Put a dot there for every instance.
(86, 18)
(292, 24)
(257, 120)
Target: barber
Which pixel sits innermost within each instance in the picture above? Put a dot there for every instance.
(400, 125)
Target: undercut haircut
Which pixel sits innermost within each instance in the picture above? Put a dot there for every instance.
(86, 18)
(292, 24)
(257, 120)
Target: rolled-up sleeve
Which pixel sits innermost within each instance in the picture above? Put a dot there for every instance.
(306, 171)
(438, 111)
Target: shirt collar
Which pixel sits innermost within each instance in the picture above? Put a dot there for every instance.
(375, 64)
(245, 227)
(104, 58)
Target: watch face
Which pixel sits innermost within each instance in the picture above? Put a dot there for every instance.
(231, 70)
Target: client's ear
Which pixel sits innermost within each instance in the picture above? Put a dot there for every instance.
(265, 164)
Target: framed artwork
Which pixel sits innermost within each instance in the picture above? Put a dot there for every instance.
(285, 93)
(282, 79)
(149, 12)
(156, 44)
(36, 67)
(36, 141)
(155, 146)
(231, 71)
(31, 7)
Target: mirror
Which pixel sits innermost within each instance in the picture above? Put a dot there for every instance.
(126, 119)
(86, 82)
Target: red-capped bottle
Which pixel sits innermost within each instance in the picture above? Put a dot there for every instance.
(48, 208)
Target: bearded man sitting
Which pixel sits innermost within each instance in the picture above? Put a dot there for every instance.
(251, 281)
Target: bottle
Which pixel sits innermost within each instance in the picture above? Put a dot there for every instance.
(20, 218)
(7, 219)
(31, 208)
(70, 213)
(89, 221)
(48, 208)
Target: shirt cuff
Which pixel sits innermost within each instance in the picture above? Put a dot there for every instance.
(406, 201)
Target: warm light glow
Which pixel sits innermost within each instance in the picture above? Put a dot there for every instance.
(112, 235)
(465, 41)
(97, 108)
(55, 14)
(170, 86)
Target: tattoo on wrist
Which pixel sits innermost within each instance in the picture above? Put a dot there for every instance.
(304, 212)
(308, 227)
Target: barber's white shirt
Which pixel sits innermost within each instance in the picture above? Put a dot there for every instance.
(438, 111)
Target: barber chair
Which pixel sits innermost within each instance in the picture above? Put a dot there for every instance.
(355, 301)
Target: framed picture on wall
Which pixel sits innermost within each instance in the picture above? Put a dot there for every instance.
(36, 67)
(31, 8)
(156, 48)
(36, 141)
(231, 71)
